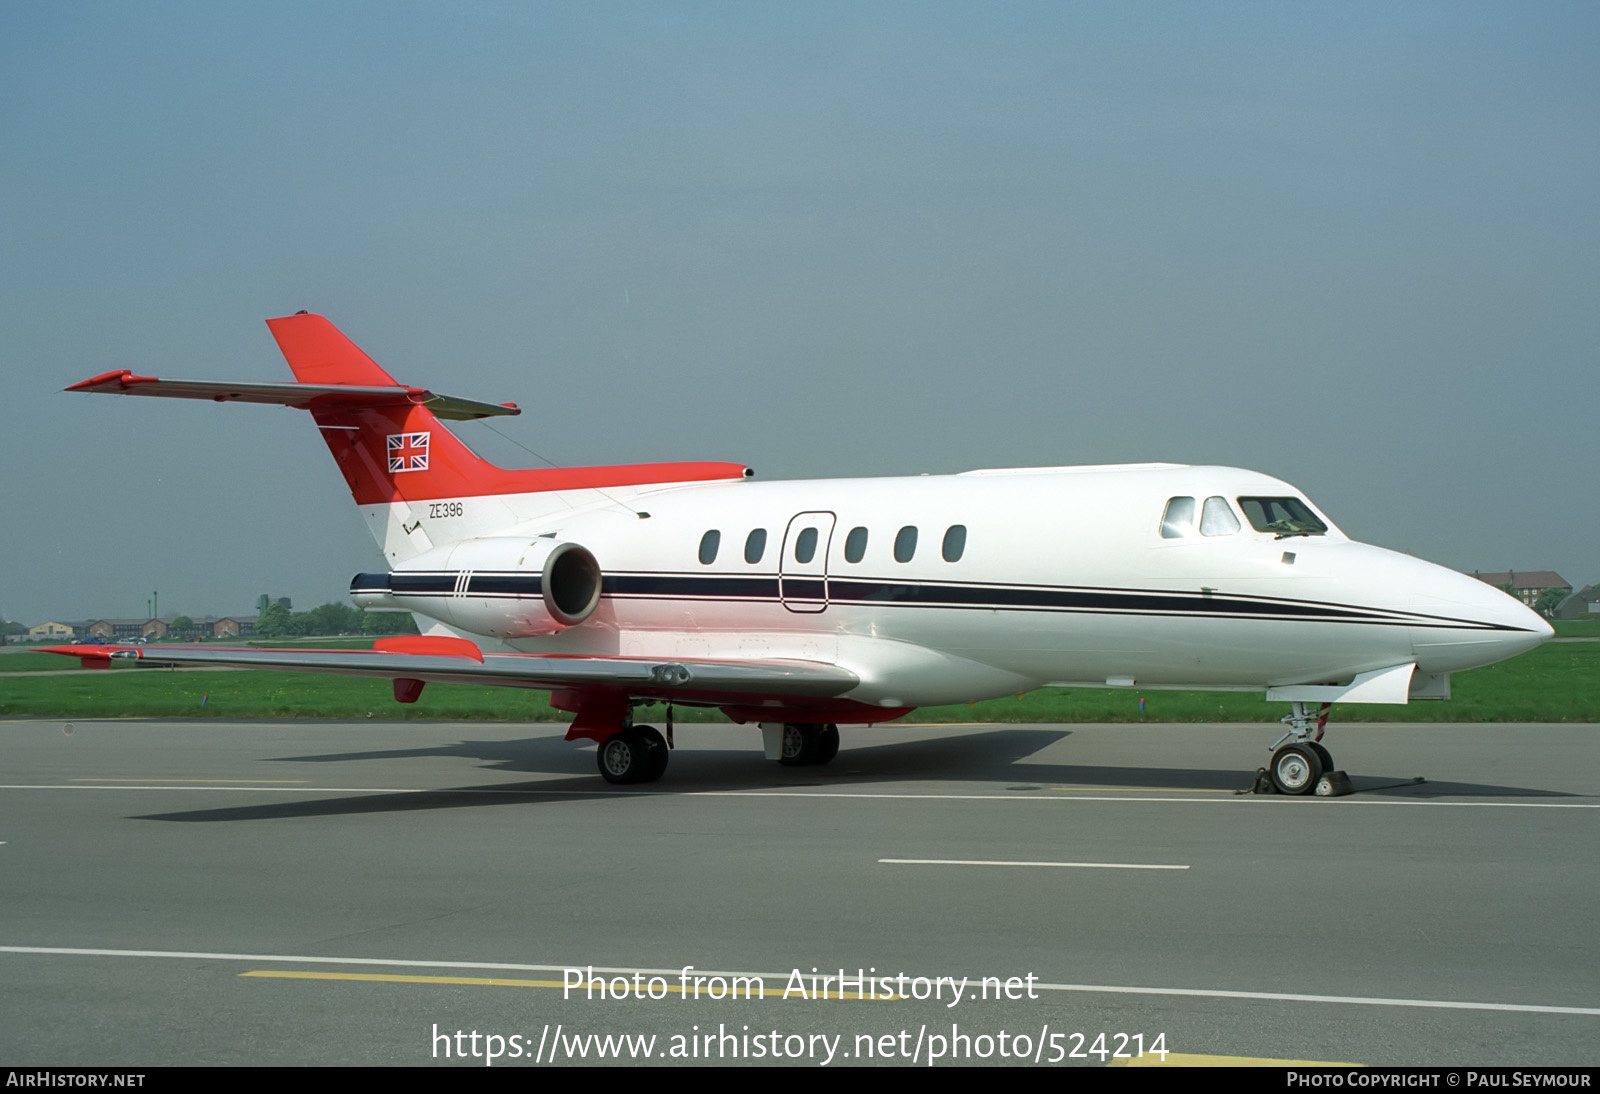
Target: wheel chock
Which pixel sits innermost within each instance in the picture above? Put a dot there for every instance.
(1335, 784)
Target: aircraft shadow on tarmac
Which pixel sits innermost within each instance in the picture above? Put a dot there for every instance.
(990, 762)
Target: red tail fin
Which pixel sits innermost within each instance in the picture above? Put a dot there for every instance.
(391, 451)
(386, 452)
(319, 354)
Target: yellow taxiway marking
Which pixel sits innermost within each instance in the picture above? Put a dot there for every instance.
(1144, 789)
(1190, 1059)
(497, 982)
(186, 780)
(394, 978)
(671, 974)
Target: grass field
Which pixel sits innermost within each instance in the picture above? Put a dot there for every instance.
(1559, 682)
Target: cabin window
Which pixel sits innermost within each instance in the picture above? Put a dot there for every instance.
(805, 545)
(1285, 516)
(905, 543)
(755, 545)
(955, 542)
(1217, 518)
(1178, 521)
(855, 545)
(708, 547)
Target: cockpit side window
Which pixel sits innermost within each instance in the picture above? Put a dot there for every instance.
(1178, 521)
(1285, 516)
(1217, 519)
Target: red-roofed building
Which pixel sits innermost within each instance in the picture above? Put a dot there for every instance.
(1526, 585)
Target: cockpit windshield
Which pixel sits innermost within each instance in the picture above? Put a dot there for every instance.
(1285, 516)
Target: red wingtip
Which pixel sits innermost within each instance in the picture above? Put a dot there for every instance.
(90, 657)
(79, 651)
(118, 378)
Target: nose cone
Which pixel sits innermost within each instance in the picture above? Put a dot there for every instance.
(1466, 623)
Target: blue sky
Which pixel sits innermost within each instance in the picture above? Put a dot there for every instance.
(1351, 245)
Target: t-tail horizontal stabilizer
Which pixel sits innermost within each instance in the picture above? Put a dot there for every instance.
(312, 397)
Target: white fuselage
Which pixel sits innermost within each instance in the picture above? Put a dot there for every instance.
(1064, 578)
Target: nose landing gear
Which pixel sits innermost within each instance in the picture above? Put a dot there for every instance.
(1300, 764)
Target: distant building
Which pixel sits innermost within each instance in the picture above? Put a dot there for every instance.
(1527, 585)
(1586, 601)
(230, 626)
(122, 629)
(50, 632)
(233, 626)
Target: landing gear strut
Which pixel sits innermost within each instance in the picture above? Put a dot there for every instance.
(1298, 759)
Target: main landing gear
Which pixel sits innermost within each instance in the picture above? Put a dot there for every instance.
(635, 754)
(638, 754)
(1300, 765)
(808, 743)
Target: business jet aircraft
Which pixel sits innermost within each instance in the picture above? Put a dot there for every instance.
(803, 605)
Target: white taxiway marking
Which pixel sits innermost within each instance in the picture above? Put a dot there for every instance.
(280, 789)
(1100, 989)
(1000, 862)
(1023, 797)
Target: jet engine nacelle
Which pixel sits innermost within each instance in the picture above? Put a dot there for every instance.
(501, 586)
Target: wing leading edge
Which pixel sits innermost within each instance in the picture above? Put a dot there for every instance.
(457, 661)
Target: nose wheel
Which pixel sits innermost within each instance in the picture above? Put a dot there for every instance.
(1295, 769)
(1299, 760)
(1324, 755)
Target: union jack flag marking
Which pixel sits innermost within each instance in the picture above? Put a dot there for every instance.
(408, 452)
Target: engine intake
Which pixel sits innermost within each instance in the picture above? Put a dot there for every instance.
(500, 586)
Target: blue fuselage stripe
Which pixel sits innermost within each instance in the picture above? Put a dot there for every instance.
(762, 588)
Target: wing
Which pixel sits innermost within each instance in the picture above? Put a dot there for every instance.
(457, 661)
